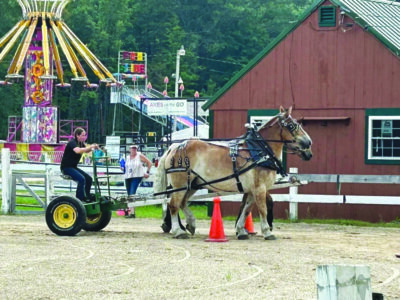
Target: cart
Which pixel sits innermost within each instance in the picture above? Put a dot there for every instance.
(66, 215)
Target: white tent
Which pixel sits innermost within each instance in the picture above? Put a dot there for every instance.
(187, 133)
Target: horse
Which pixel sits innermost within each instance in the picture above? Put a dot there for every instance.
(249, 165)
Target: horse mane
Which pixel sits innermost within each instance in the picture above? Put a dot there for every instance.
(270, 123)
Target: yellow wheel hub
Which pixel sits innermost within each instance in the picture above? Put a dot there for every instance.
(64, 216)
(93, 219)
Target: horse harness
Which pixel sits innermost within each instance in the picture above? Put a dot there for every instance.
(261, 155)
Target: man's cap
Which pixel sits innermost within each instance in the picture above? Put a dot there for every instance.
(134, 146)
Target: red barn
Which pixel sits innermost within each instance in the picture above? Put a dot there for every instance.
(339, 68)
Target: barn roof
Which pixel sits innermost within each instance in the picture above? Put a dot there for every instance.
(379, 17)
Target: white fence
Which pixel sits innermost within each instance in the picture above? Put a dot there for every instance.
(45, 177)
(56, 183)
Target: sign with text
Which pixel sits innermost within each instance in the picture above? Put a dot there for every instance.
(112, 146)
(167, 107)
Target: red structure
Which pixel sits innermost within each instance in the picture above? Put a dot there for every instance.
(339, 67)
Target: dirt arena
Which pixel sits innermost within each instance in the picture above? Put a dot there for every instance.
(133, 259)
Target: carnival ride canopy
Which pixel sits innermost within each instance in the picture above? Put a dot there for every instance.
(42, 26)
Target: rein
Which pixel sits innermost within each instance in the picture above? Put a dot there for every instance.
(197, 186)
(231, 139)
(265, 157)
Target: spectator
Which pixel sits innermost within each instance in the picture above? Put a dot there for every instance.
(135, 171)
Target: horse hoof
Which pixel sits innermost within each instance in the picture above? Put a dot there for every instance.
(182, 236)
(165, 228)
(243, 237)
(191, 229)
(270, 238)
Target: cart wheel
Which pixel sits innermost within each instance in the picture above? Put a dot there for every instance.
(98, 221)
(65, 215)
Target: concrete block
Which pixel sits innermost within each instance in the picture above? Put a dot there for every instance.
(343, 282)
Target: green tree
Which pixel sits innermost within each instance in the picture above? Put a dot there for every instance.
(220, 37)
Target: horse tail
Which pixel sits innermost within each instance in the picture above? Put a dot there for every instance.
(161, 179)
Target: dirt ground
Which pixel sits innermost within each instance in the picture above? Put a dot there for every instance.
(133, 259)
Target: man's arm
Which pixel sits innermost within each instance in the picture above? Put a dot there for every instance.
(86, 149)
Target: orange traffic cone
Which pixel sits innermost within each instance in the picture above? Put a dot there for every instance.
(248, 225)
(217, 233)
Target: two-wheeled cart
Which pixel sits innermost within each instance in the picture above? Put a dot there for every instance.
(66, 215)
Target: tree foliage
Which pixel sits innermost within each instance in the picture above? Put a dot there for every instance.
(220, 37)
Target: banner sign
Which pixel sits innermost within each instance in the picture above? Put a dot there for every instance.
(167, 107)
(200, 111)
(113, 146)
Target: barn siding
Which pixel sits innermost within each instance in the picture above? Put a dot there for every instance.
(324, 68)
(230, 127)
(322, 72)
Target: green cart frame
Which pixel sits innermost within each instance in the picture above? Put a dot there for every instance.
(66, 215)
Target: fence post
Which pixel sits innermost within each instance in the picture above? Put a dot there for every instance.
(48, 188)
(5, 180)
(293, 190)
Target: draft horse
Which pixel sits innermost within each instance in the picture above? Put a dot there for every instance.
(248, 164)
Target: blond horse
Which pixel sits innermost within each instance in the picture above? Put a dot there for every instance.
(202, 162)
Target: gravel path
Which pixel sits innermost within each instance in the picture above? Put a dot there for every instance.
(133, 259)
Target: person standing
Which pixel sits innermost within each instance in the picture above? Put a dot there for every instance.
(134, 171)
(69, 163)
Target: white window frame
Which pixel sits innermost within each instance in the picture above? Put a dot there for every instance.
(370, 146)
(263, 119)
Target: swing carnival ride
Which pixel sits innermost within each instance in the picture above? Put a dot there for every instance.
(40, 30)
(37, 37)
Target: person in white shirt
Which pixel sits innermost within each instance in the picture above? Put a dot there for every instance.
(135, 171)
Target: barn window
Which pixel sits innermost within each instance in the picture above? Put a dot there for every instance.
(259, 118)
(327, 16)
(383, 139)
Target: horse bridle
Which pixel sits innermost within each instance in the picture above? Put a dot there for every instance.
(291, 125)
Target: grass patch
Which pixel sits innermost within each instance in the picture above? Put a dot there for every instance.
(345, 222)
(200, 213)
(155, 211)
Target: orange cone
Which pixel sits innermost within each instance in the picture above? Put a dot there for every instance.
(217, 233)
(248, 225)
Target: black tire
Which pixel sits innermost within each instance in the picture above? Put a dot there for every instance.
(65, 216)
(98, 221)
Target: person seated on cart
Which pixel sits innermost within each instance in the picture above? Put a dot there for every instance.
(69, 163)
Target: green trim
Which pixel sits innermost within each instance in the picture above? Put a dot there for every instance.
(378, 112)
(285, 33)
(382, 112)
(267, 113)
(327, 16)
(211, 124)
(261, 112)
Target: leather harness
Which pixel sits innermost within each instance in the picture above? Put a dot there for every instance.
(261, 155)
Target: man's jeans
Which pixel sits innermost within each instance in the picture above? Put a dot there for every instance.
(84, 182)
